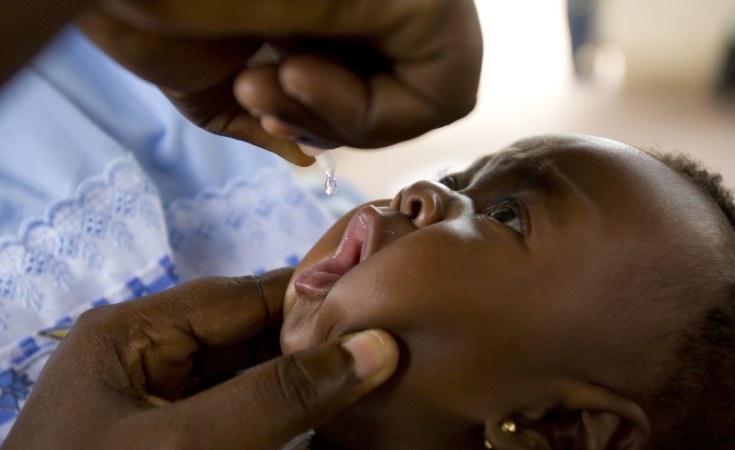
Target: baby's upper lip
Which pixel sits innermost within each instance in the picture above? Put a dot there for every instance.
(369, 230)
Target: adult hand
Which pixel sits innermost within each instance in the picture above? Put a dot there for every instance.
(136, 375)
(361, 73)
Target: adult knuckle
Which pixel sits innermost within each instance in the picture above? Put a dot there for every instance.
(93, 319)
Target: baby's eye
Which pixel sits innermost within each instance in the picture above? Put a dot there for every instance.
(507, 215)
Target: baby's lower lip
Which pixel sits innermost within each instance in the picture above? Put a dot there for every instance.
(316, 281)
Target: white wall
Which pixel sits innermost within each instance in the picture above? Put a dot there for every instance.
(668, 41)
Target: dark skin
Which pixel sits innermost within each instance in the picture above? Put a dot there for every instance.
(525, 288)
(362, 73)
(138, 374)
(422, 73)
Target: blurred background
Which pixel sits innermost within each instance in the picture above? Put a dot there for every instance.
(651, 73)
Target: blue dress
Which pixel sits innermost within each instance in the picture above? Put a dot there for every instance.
(107, 194)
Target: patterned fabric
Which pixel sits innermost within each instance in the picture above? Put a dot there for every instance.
(111, 228)
(268, 215)
(109, 195)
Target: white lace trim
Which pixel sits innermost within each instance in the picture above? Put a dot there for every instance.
(111, 228)
(249, 226)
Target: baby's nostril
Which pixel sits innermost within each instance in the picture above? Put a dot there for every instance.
(415, 208)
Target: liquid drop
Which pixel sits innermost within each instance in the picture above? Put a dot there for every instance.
(330, 184)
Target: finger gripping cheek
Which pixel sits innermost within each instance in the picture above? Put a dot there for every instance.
(375, 355)
(318, 382)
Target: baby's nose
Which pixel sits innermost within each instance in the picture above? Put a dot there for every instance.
(424, 202)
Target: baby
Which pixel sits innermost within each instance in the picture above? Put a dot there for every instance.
(570, 292)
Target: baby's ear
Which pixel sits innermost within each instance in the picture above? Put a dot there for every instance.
(589, 418)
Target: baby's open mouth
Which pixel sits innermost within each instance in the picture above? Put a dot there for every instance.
(316, 281)
(369, 230)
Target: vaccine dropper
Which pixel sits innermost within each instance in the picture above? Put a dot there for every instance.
(328, 163)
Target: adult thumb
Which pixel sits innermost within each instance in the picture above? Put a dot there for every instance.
(270, 404)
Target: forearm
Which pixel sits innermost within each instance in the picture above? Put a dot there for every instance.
(26, 25)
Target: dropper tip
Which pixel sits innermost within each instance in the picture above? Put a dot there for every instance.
(328, 163)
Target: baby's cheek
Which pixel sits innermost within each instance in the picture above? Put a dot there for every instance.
(369, 296)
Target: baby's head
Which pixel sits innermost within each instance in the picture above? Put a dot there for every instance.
(562, 286)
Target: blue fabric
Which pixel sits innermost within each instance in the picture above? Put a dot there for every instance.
(73, 109)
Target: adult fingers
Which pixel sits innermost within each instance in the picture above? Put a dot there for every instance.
(183, 331)
(224, 311)
(364, 111)
(430, 52)
(272, 403)
(374, 90)
(259, 91)
(315, 99)
(216, 311)
(237, 123)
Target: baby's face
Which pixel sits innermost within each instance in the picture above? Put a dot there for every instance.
(496, 282)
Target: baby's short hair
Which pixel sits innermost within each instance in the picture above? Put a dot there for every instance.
(693, 407)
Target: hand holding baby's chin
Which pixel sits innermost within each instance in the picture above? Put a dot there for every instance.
(132, 364)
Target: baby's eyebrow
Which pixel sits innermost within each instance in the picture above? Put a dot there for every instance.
(558, 192)
(550, 189)
(480, 167)
(552, 192)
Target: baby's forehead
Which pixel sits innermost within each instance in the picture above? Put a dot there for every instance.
(537, 152)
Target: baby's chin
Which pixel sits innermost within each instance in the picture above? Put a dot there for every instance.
(297, 332)
(293, 333)
(289, 298)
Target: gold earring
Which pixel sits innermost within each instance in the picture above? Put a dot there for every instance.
(509, 427)
(488, 445)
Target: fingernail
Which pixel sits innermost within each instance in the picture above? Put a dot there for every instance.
(370, 353)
